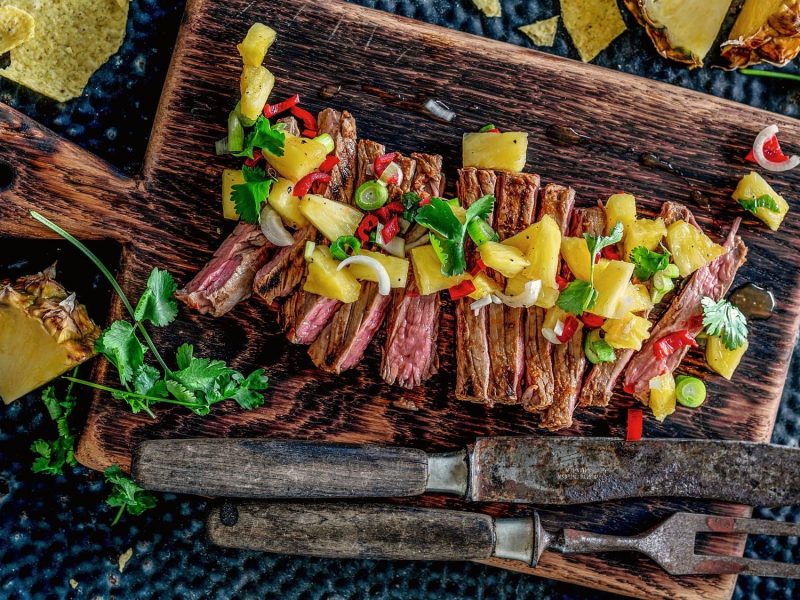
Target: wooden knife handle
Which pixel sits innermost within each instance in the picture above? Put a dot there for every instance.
(260, 468)
(337, 530)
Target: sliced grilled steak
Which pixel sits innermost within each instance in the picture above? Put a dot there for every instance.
(292, 126)
(598, 386)
(556, 201)
(685, 312)
(408, 166)
(472, 342)
(342, 128)
(227, 279)
(409, 354)
(515, 209)
(569, 360)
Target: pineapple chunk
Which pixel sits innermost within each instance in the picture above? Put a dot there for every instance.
(285, 204)
(324, 279)
(428, 271)
(332, 219)
(628, 332)
(256, 44)
(460, 212)
(662, 396)
(576, 254)
(230, 178)
(502, 151)
(44, 332)
(256, 85)
(541, 245)
(691, 248)
(611, 280)
(636, 299)
(620, 208)
(506, 260)
(397, 268)
(644, 232)
(301, 156)
(754, 186)
(547, 298)
(484, 285)
(722, 360)
(553, 316)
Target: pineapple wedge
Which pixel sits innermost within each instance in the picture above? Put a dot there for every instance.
(44, 332)
(628, 332)
(576, 254)
(753, 186)
(765, 31)
(502, 151)
(324, 278)
(332, 219)
(691, 248)
(286, 204)
(256, 85)
(611, 280)
(541, 244)
(620, 208)
(396, 268)
(662, 396)
(722, 360)
(644, 232)
(300, 157)
(682, 30)
(428, 271)
(256, 44)
(230, 178)
(506, 260)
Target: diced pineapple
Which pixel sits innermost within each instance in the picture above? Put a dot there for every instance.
(324, 279)
(332, 219)
(576, 254)
(301, 156)
(256, 43)
(484, 285)
(753, 186)
(611, 280)
(506, 260)
(230, 178)
(690, 247)
(553, 316)
(629, 331)
(722, 360)
(620, 208)
(636, 299)
(502, 151)
(541, 245)
(460, 212)
(397, 268)
(662, 396)
(428, 271)
(644, 232)
(547, 298)
(285, 204)
(256, 85)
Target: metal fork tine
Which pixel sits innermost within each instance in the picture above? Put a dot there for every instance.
(741, 566)
(717, 524)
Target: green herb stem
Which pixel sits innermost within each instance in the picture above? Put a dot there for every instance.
(118, 516)
(770, 74)
(105, 388)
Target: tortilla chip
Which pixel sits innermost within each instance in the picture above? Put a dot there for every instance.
(592, 25)
(16, 27)
(491, 8)
(73, 38)
(542, 33)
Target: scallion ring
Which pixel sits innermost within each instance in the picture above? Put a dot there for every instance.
(345, 246)
(371, 195)
(690, 391)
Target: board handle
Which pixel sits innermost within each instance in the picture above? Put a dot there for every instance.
(261, 468)
(338, 530)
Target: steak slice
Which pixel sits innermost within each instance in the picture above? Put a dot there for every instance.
(598, 386)
(515, 208)
(569, 360)
(472, 340)
(227, 278)
(685, 312)
(556, 201)
(409, 354)
(342, 128)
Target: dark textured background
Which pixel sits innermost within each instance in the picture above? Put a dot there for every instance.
(57, 529)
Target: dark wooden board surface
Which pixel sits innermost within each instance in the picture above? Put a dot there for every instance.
(169, 217)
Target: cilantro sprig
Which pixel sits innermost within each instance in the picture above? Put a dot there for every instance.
(248, 197)
(723, 319)
(751, 205)
(126, 494)
(579, 295)
(54, 455)
(264, 136)
(648, 262)
(448, 234)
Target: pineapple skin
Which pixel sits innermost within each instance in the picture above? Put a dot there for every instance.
(776, 41)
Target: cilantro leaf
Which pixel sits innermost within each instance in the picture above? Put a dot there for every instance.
(54, 455)
(723, 319)
(184, 355)
(603, 351)
(122, 348)
(597, 243)
(577, 297)
(158, 304)
(126, 494)
(481, 208)
(410, 201)
(247, 393)
(751, 205)
(263, 135)
(438, 217)
(147, 381)
(648, 263)
(248, 197)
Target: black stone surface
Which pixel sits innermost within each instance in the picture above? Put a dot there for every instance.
(53, 530)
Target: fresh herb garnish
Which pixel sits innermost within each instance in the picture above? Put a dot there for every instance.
(603, 352)
(265, 136)
(723, 319)
(54, 455)
(410, 201)
(448, 233)
(248, 197)
(126, 494)
(648, 263)
(751, 205)
(579, 295)
(772, 74)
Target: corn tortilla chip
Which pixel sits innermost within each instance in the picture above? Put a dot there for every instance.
(592, 25)
(542, 33)
(16, 27)
(491, 8)
(73, 38)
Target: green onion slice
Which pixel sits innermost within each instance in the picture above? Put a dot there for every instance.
(242, 119)
(309, 250)
(594, 346)
(487, 127)
(345, 246)
(481, 232)
(371, 195)
(235, 133)
(326, 140)
(690, 391)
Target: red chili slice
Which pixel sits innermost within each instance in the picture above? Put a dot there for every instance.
(669, 344)
(635, 425)
(772, 151)
(495, 130)
(328, 164)
(611, 253)
(465, 288)
(478, 267)
(309, 120)
(592, 321)
(381, 162)
(562, 283)
(310, 133)
(302, 187)
(368, 223)
(395, 207)
(252, 162)
(270, 110)
(570, 327)
(391, 229)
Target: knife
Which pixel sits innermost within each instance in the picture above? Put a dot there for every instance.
(538, 470)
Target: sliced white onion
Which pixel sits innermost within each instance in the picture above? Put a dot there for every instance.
(758, 151)
(420, 241)
(527, 297)
(439, 110)
(396, 247)
(384, 286)
(273, 229)
(559, 328)
(655, 383)
(550, 336)
(392, 171)
(68, 303)
(479, 304)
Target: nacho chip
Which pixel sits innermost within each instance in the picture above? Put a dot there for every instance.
(592, 25)
(491, 8)
(16, 27)
(73, 38)
(542, 33)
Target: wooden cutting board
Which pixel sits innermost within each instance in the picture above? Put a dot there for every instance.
(170, 217)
